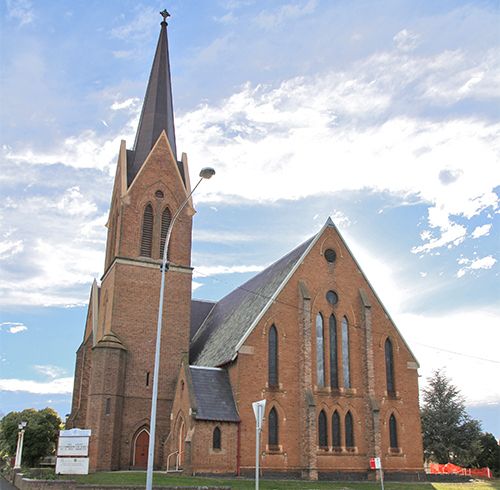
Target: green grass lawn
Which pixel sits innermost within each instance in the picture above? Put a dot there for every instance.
(139, 478)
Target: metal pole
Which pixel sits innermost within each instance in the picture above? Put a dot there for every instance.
(154, 400)
(381, 478)
(19, 449)
(257, 451)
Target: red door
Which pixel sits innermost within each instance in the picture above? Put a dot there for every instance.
(141, 450)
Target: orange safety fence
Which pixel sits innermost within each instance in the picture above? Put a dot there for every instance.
(453, 469)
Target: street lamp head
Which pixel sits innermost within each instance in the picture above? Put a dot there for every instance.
(22, 425)
(207, 173)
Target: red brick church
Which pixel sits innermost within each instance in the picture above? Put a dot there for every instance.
(308, 334)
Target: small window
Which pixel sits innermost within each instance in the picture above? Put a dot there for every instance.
(166, 218)
(322, 433)
(336, 439)
(334, 358)
(273, 358)
(216, 438)
(147, 378)
(349, 430)
(346, 367)
(159, 194)
(108, 406)
(273, 439)
(320, 351)
(332, 297)
(147, 232)
(389, 368)
(393, 432)
(330, 255)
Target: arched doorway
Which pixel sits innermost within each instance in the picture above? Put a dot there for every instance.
(141, 446)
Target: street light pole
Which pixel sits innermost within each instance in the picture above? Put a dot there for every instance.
(206, 173)
(20, 441)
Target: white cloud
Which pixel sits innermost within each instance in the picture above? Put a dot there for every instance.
(445, 342)
(137, 28)
(480, 231)
(129, 103)
(270, 19)
(215, 270)
(13, 327)
(475, 264)
(20, 10)
(8, 248)
(50, 371)
(56, 386)
(406, 40)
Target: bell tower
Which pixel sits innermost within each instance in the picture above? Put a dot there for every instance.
(113, 381)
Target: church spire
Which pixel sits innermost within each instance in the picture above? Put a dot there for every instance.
(157, 110)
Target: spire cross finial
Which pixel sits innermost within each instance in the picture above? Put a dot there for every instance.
(164, 14)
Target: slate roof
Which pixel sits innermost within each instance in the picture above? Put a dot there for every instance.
(213, 394)
(157, 110)
(199, 311)
(215, 342)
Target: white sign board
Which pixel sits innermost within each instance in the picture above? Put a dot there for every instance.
(378, 464)
(75, 433)
(73, 446)
(72, 466)
(258, 409)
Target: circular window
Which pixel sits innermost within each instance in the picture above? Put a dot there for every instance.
(159, 194)
(330, 255)
(332, 297)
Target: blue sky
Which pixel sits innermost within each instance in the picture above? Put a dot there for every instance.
(383, 115)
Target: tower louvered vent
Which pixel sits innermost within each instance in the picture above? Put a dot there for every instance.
(147, 232)
(166, 218)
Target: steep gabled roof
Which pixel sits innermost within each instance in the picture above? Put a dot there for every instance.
(233, 318)
(213, 394)
(217, 339)
(157, 111)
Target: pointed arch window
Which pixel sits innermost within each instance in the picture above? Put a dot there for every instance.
(389, 368)
(166, 219)
(147, 232)
(334, 359)
(320, 351)
(346, 368)
(393, 432)
(336, 439)
(273, 357)
(216, 439)
(349, 430)
(273, 429)
(322, 431)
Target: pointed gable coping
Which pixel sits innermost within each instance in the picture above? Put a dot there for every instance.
(187, 190)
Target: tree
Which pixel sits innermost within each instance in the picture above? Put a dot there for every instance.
(40, 436)
(489, 454)
(449, 433)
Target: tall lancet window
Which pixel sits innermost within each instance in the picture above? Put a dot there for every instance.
(346, 368)
(273, 357)
(336, 440)
(320, 351)
(349, 430)
(389, 368)
(393, 432)
(273, 439)
(166, 218)
(334, 358)
(147, 232)
(322, 433)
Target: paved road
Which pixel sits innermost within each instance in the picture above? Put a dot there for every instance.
(5, 485)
